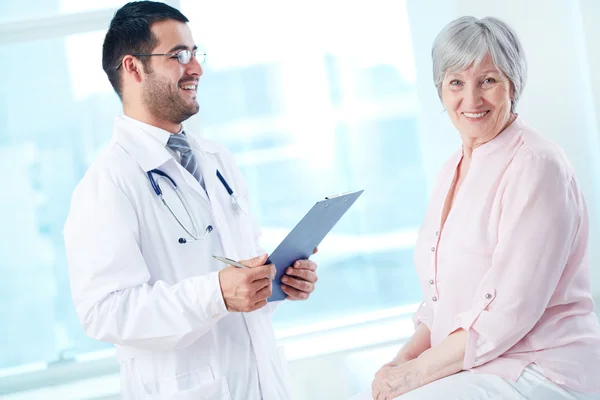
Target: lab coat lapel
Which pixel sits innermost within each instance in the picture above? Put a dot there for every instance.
(208, 165)
(219, 200)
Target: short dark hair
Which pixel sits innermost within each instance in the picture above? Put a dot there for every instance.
(130, 33)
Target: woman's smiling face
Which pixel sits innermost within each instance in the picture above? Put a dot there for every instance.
(478, 101)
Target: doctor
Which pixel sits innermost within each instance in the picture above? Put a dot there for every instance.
(140, 252)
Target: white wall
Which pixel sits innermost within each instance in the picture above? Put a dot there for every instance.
(559, 97)
(590, 12)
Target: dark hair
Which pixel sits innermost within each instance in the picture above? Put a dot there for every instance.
(129, 33)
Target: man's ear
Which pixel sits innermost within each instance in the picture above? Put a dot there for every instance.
(132, 67)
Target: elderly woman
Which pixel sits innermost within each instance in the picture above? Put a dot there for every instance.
(502, 253)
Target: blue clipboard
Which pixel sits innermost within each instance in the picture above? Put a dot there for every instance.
(305, 237)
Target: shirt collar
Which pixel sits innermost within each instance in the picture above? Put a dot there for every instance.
(510, 134)
(147, 143)
(160, 135)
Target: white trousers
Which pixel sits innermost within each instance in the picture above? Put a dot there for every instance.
(532, 385)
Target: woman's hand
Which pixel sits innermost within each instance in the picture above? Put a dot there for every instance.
(435, 363)
(398, 360)
(392, 380)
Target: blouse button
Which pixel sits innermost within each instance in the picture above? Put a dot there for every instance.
(488, 296)
(434, 298)
(431, 281)
(437, 233)
(433, 249)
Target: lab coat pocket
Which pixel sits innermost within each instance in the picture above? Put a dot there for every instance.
(195, 384)
(213, 390)
(186, 380)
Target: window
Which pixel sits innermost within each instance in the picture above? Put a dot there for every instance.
(328, 111)
(31, 9)
(52, 125)
(307, 111)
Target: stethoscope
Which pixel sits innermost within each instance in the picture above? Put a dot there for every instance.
(237, 207)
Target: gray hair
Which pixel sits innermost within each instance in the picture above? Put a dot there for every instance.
(467, 40)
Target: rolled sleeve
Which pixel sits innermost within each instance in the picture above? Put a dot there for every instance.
(540, 218)
(423, 315)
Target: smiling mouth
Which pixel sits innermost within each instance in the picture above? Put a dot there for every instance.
(476, 116)
(189, 87)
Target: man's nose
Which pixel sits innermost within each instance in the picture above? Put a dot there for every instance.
(194, 67)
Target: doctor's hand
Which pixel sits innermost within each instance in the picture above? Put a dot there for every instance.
(246, 290)
(300, 279)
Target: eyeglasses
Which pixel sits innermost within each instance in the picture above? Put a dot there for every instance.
(184, 56)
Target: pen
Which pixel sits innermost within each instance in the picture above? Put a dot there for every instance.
(230, 262)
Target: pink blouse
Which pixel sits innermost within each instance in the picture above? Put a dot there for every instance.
(510, 264)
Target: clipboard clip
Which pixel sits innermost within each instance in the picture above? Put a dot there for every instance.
(337, 195)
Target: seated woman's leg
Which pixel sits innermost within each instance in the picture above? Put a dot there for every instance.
(462, 386)
(466, 386)
(532, 385)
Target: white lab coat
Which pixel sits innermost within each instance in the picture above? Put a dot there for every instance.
(135, 285)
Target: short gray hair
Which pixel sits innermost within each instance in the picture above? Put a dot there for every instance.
(467, 40)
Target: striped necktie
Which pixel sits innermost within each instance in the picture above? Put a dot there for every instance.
(180, 144)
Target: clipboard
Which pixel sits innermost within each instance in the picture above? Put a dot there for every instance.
(307, 235)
